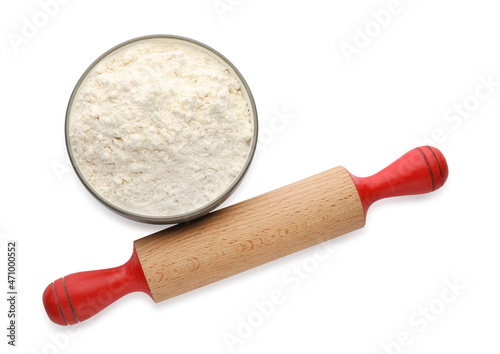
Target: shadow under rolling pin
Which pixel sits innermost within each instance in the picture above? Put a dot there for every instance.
(243, 236)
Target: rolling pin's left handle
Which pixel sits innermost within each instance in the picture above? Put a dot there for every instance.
(421, 170)
(77, 297)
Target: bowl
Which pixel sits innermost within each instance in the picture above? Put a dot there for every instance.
(202, 210)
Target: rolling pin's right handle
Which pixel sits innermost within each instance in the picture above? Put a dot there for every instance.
(421, 170)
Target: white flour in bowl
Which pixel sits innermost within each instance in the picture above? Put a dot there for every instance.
(160, 127)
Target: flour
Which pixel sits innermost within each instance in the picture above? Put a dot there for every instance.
(160, 127)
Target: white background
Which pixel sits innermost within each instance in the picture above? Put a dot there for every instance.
(360, 113)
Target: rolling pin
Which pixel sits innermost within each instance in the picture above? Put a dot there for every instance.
(245, 235)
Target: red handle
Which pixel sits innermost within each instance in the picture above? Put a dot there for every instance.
(77, 297)
(421, 170)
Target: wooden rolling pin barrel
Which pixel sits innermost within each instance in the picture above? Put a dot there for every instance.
(245, 235)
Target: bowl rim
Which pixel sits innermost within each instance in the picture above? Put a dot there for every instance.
(197, 213)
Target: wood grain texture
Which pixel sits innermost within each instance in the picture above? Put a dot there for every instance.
(248, 234)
